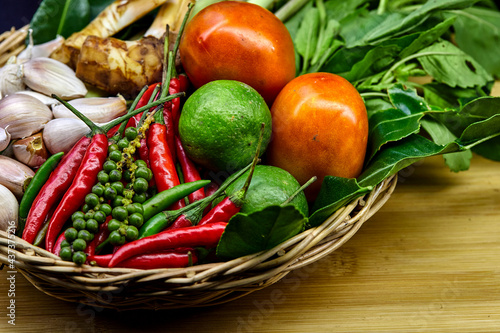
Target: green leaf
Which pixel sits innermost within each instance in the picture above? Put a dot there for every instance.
(394, 26)
(444, 96)
(489, 149)
(456, 68)
(357, 25)
(440, 134)
(427, 37)
(307, 35)
(375, 61)
(477, 32)
(260, 230)
(389, 126)
(59, 17)
(335, 192)
(325, 41)
(479, 124)
(407, 100)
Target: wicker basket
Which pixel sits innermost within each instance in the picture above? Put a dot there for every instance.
(201, 285)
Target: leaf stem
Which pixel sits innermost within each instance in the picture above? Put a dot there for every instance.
(382, 6)
(290, 8)
(413, 56)
(372, 94)
(263, 3)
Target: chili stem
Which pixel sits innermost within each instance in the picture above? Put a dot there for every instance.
(122, 127)
(115, 122)
(96, 129)
(151, 99)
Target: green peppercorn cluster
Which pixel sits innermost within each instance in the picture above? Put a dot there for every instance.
(122, 186)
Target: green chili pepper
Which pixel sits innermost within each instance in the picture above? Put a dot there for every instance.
(36, 183)
(165, 199)
(40, 236)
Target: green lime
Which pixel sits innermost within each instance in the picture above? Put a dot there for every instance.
(270, 185)
(220, 125)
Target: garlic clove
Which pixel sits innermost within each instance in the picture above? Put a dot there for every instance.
(49, 101)
(40, 50)
(49, 76)
(97, 109)
(11, 79)
(31, 150)
(62, 133)
(15, 175)
(9, 209)
(4, 139)
(25, 115)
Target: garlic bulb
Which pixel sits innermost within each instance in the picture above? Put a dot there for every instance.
(4, 138)
(9, 208)
(40, 50)
(97, 109)
(25, 115)
(31, 150)
(49, 76)
(49, 101)
(62, 133)
(11, 79)
(14, 175)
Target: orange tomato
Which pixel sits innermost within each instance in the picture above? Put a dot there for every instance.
(320, 128)
(232, 40)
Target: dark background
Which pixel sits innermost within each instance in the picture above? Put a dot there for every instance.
(16, 13)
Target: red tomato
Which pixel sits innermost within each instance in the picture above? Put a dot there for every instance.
(320, 128)
(233, 40)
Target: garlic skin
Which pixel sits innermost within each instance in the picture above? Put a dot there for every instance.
(97, 109)
(4, 139)
(14, 175)
(49, 76)
(49, 101)
(61, 134)
(40, 50)
(11, 79)
(31, 151)
(9, 209)
(23, 114)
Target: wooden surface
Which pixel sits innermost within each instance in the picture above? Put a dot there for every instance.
(429, 261)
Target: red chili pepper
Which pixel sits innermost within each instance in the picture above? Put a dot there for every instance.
(183, 82)
(57, 245)
(206, 235)
(189, 171)
(169, 124)
(85, 178)
(222, 212)
(160, 158)
(144, 151)
(100, 237)
(144, 100)
(174, 105)
(165, 259)
(53, 190)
